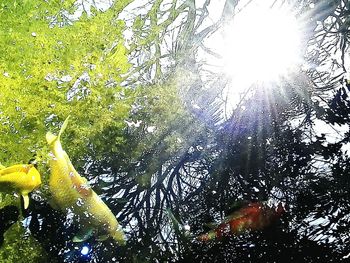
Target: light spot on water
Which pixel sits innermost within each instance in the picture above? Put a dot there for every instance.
(85, 250)
(187, 227)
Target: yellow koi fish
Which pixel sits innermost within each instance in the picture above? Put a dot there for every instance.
(21, 179)
(71, 193)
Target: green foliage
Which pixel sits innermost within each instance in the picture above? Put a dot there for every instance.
(52, 67)
(42, 77)
(161, 141)
(19, 246)
(6, 200)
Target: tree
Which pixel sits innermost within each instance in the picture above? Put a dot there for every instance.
(149, 133)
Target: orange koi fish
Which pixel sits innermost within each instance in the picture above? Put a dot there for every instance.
(254, 216)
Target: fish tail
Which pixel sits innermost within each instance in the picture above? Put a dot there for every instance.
(63, 127)
(203, 238)
(51, 138)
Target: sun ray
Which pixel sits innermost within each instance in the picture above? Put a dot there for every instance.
(258, 48)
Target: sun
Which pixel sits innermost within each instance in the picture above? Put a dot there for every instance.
(261, 44)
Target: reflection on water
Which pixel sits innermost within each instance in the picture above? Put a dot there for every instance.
(8, 216)
(156, 164)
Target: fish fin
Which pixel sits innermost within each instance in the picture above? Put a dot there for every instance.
(233, 216)
(83, 235)
(25, 201)
(236, 206)
(251, 208)
(50, 137)
(18, 168)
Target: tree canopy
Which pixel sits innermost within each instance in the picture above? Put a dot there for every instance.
(151, 132)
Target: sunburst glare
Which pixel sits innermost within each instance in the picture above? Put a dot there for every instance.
(260, 45)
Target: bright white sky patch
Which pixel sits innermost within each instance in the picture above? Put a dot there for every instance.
(261, 44)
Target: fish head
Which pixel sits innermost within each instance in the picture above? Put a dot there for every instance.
(118, 236)
(280, 209)
(31, 180)
(114, 230)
